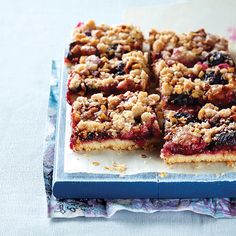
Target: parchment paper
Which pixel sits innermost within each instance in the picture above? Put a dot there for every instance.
(181, 17)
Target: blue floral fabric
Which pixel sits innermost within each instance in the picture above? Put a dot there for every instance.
(218, 208)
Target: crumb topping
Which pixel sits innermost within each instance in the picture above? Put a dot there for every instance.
(213, 84)
(207, 125)
(99, 74)
(115, 115)
(184, 48)
(104, 40)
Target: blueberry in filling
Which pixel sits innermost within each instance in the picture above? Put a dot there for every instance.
(114, 46)
(215, 78)
(88, 33)
(215, 58)
(94, 136)
(119, 70)
(189, 117)
(226, 138)
(183, 99)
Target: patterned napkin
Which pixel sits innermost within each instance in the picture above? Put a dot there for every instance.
(68, 208)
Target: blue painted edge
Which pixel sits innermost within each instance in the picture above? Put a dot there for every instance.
(145, 185)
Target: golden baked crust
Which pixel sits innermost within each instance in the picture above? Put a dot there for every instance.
(129, 116)
(93, 74)
(103, 40)
(221, 157)
(114, 144)
(208, 131)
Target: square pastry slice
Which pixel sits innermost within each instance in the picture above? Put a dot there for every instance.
(198, 85)
(109, 76)
(205, 135)
(103, 40)
(126, 121)
(184, 48)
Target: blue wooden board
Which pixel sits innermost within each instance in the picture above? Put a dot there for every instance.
(145, 185)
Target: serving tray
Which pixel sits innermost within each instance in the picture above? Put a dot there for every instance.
(148, 184)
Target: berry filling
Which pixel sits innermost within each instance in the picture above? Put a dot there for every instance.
(119, 70)
(215, 58)
(182, 99)
(220, 59)
(224, 141)
(189, 117)
(187, 145)
(79, 24)
(138, 134)
(215, 78)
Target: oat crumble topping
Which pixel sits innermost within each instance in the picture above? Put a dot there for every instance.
(185, 48)
(103, 40)
(115, 115)
(206, 125)
(207, 84)
(101, 74)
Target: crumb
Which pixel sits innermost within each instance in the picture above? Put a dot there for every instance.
(96, 163)
(143, 156)
(217, 175)
(116, 167)
(163, 174)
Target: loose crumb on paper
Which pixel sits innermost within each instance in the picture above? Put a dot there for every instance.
(163, 174)
(118, 167)
(143, 155)
(96, 163)
(220, 175)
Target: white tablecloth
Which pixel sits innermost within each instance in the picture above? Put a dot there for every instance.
(31, 34)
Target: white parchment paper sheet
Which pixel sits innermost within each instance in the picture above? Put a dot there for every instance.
(181, 17)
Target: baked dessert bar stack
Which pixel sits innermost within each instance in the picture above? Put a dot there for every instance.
(197, 80)
(107, 84)
(112, 107)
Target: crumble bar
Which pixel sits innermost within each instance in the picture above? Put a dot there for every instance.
(126, 121)
(103, 41)
(202, 83)
(184, 48)
(207, 135)
(114, 76)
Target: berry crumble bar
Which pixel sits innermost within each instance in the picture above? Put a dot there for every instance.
(103, 40)
(109, 76)
(202, 83)
(205, 135)
(126, 121)
(184, 48)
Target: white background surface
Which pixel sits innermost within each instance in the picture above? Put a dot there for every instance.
(31, 34)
